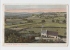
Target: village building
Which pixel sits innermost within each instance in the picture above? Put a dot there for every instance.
(49, 34)
(45, 34)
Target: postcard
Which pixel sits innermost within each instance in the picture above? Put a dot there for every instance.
(36, 25)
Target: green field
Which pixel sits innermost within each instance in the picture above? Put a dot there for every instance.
(23, 28)
(32, 26)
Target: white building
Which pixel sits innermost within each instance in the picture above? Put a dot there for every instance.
(45, 34)
(48, 34)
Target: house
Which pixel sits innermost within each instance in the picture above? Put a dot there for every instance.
(44, 33)
(49, 34)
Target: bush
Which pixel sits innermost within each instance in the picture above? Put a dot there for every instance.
(29, 21)
(43, 21)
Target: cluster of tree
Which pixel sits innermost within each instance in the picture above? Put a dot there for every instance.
(64, 21)
(12, 36)
(58, 21)
(29, 21)
(24, 19)
(43, 21)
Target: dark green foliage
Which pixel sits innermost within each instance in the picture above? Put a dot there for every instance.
(30, 21)
(57, 21)
(53, 21)
(43, 21)
(64, 21)
(11, 35)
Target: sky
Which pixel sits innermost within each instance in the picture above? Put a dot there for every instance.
(35, 8)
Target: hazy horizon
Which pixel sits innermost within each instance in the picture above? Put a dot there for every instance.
(35, 8)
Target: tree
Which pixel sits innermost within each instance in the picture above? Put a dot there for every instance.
(29, 21)
(43, 21)
(64, 21)
(57, 21)
(53, 21)
(31, 32)
(65, 15)
(65, 33)
(11, 36)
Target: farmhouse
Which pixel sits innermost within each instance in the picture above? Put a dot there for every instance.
(49, 34)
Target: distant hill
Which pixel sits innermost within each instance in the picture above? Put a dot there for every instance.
(26, 14)
(20, 14)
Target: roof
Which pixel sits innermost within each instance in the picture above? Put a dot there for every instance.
(52, 33)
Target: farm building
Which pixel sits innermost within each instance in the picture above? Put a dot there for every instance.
(49, 34)
(45, 34)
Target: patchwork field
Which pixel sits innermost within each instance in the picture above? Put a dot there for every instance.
(37, 23)
(33, 24)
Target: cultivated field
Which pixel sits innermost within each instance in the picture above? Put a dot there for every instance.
(35, 22)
